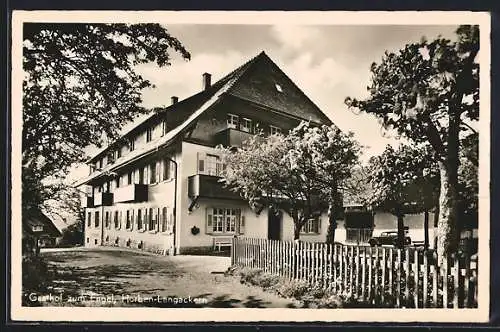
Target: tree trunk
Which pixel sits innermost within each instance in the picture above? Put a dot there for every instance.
(332, 224)
(447, 223)
(296, 230)
(401, 231)
(426, 229)
(448, 196)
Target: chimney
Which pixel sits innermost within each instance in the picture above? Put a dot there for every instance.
(174, 99)
(206, 81)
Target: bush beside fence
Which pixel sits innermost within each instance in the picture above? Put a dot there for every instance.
(383, 276)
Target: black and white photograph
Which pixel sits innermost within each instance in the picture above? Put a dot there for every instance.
(296, 166)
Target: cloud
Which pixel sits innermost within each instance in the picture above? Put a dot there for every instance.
(294, 36)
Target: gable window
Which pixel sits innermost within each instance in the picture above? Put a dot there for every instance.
(96, 221)
(232, 121)
(118, 152)
(100, 163)
(224, 221)
(149, 134)
(164, 127)
(312, 226)
(274, 130)
(246, 125)
(131, 144)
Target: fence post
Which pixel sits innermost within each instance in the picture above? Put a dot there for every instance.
(416, 276)
(375, 274)
(384, 266)
(390, 272)
(399, 276)
(363, 275)
(358, 260)
(456, 280)
(426, 280)
(435, 279)
(445, 281)
(407, 277)
(467, 301)
(370, 274)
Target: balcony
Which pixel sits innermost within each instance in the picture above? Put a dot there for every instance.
(232, 137)
(87, 202)
(103, 199)
(131, 193)
(208, 186)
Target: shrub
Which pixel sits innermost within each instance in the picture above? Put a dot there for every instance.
(294, 288)
(36, 276)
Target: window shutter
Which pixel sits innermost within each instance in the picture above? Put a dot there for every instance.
(242, 224)
(209, 226)
(201, 162)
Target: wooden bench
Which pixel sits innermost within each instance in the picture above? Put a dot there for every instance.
(222, 242)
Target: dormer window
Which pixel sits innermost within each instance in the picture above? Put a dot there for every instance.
(274, 130)
(149, 135)
(246, 125)
(232, 121)
(278, 87)
(131, 144)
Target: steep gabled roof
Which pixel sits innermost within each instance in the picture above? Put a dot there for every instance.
(35, 217)
(252, 81)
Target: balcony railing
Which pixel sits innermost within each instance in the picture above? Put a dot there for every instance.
(103, 199)
(131, 193)
(88, 202)
(201, 185)
(232, 137)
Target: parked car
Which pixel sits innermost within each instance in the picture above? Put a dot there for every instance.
(387, 238)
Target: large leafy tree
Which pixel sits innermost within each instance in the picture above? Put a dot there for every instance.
(300, 173)
(80, 85)
(429, 92)
(404, 180)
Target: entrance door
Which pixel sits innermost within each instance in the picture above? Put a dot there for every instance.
(274, 222)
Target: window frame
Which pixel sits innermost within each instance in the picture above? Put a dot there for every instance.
(244, 127)
(232, 121)
(274, 130)
(311, 227)
(222, 222)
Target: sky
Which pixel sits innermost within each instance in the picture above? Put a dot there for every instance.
(328, 62)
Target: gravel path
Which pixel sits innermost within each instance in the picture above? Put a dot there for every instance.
(118, 277)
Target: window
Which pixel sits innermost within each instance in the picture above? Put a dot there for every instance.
(96, 221)
(129, 220)
(278, 87)
(111, 157)
(107, 220)
(115, 220)
(166, 170)
(152, 173)
(118, 180)
(89, 219)
(149, 134)
(230, 221)
(213, 165)
(139, 219)
(246, 125)
(312, 226)
(152, 220)
(131, 144)
(232, 121)
(145, 175)
(130, 177)
(100, 163)
(274, 130)
(163, 127)
(165, 222)
(118, 152)
(226, 220)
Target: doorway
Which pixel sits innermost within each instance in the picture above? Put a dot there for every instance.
(274, 224)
